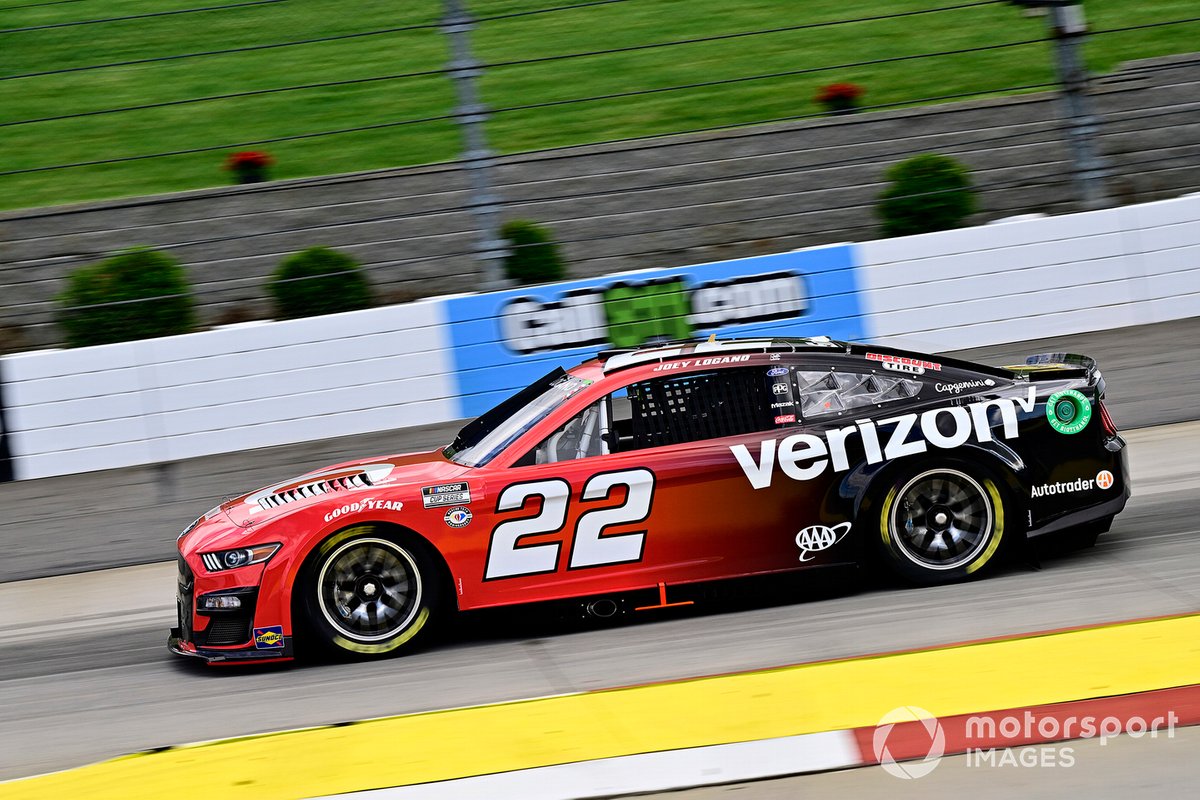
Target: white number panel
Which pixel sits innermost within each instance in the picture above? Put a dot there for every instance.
(590, 546)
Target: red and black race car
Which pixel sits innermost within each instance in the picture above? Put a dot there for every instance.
(651, 468)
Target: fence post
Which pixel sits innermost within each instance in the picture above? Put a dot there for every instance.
(1068, 27)
(476, 158)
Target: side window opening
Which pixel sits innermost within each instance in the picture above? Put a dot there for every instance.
(699, 405)
(836, 392)
(673, 410)
(581, 437)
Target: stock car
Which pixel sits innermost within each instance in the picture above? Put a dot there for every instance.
(653, 469)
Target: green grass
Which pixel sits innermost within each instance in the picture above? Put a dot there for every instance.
(621, 24)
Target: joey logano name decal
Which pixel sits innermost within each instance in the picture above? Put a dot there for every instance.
(804, 456)
(366, 504)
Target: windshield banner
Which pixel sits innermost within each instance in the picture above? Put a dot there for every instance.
(503, 341)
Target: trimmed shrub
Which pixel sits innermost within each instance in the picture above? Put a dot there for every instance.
(928, 193)
(533, 256)
(318, 281)
(136, 294)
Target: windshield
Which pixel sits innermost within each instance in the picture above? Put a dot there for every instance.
(482, 439)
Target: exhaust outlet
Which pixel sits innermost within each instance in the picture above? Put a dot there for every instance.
(602, 608)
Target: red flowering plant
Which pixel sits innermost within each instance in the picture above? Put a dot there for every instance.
(840, 98)
(249, 166)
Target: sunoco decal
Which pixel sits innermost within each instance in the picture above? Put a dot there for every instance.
(816, 538)
(268, 638)
(446, 494)
(366, 504)
(804, 456)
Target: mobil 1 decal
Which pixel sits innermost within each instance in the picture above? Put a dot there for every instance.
(805, 456)
(545, 504)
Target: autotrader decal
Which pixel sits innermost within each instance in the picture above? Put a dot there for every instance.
(1103, 480)
(804, 456)
(816, 538)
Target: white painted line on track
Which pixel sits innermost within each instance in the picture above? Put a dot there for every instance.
(649, 772)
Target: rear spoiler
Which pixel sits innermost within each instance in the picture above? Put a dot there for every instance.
(1055, 366)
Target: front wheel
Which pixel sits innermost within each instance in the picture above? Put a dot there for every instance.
(367, 594)
(941, 525)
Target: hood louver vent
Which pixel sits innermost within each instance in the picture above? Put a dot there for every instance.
(359, 481)
(316, 485)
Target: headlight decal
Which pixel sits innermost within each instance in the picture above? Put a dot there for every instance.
(222, 560)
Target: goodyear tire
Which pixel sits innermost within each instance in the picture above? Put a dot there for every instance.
(367, 592)
(941, 524)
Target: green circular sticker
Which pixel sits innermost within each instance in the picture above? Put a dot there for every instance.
(1068, 411)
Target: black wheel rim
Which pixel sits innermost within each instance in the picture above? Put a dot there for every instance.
(369, 590)
(942, 520)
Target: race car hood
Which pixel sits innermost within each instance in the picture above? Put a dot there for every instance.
(331, 483)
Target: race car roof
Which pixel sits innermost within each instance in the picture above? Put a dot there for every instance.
(619, 359)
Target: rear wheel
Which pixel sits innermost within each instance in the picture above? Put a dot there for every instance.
(941, 525)
(370, 594)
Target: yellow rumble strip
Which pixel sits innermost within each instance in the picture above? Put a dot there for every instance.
(1039, 669)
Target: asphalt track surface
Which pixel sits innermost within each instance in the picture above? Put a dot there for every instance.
(96, 692)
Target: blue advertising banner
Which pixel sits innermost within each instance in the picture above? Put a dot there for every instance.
(505, 340)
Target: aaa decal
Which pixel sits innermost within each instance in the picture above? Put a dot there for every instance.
(805, 456)
(816, 538)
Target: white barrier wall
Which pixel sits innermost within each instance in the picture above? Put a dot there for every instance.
(276, 383)
(227, 390)
(1034, 278)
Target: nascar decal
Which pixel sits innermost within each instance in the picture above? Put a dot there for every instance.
(591, 544)
(804, 456)
(458, 517)
(816, 538)
(268, 638)
(446, 494)
(366, 504)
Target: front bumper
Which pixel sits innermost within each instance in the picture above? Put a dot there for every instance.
(224, 636)
(177, 645)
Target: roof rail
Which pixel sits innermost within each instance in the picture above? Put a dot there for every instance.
(619, 359)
